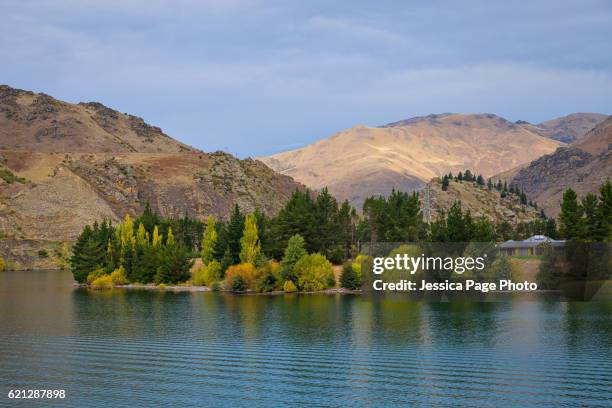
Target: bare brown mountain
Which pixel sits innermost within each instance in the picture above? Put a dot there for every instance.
(63, 165)
(364, 161)
(567, 129)
(38, 122)
(583, 166)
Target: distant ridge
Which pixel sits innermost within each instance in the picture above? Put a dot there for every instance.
(364, 161)
(583, 166)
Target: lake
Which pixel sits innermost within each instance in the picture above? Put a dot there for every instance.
(148, 348)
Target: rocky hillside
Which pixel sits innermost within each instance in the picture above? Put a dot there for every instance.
(364, 161)
(54, 177)
(566, 129)
(38, 122)
(583, 166)
(481, 202)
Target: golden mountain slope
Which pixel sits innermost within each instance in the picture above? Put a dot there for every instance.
(583, 166)
(364, 161)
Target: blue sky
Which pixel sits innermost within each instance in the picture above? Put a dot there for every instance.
(257, 77)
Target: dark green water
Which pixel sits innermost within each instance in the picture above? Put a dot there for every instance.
(143, 349)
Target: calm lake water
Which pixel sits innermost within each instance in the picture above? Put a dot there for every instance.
(142, 349)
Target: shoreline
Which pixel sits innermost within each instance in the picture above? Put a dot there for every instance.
(185, 288)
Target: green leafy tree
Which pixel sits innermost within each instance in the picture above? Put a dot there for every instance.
(293, 253)
(314, 272)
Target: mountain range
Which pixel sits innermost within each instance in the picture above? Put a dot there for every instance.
(363, 161)
(65, 165)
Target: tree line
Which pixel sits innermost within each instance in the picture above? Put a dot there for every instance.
(155, 249)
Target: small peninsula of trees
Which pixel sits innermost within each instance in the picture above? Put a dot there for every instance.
(295, 249)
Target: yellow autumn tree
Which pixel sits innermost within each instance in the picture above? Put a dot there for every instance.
(250, 248)
(157, 238)
(170, 239)
(209, 240)
(141, 235)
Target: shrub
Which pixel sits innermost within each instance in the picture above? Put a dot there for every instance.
(238, 284)
(162, 286)
(102, 282)
(269, 277)
(215, 287)
(43, 253)
(314, 272)
(246, 271)
(2, 264)
(208, 274)
(289, 287)
(95, 274)
(10, 178)
(348, 278)
(119, 277)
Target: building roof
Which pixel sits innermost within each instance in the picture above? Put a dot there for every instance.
(533, 242)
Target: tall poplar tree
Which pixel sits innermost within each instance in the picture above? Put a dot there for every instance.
(250, 248)
(209, 241)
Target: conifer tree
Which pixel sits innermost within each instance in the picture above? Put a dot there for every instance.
(591, 221)
(88, 254)
(445, 183)
(250, 249)
(235, 229)
(490, 184)
(604, 213)
(570, 220)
